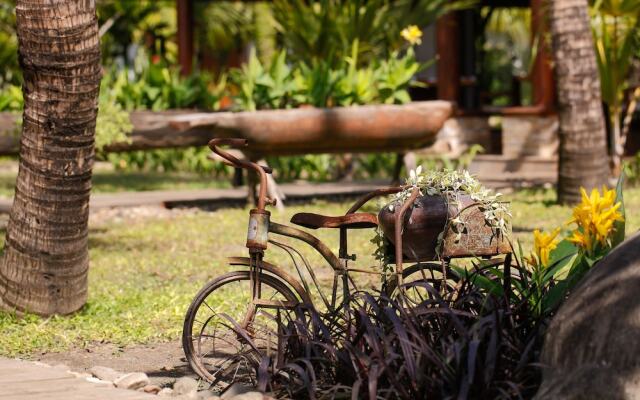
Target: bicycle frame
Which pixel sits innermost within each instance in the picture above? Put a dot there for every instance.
(339, 263)
(258, 237)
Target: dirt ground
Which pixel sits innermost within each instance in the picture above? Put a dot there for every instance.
(162, 362)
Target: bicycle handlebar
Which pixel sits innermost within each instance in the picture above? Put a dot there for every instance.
(235, 162)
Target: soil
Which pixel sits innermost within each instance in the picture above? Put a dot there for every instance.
(162, 362)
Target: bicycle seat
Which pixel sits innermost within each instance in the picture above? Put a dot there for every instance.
(350, 221)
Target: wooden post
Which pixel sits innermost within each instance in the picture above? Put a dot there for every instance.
(448, 51)
(544, 90)
(185, 35)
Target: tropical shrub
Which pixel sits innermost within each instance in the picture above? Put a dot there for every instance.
(10, 72)
(11, 98)
(280, 85)
(616, 36)
(154, 86)
(325, 30)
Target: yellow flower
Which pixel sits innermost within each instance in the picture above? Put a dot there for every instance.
(595, 216)
(544, 243)
(412, 34)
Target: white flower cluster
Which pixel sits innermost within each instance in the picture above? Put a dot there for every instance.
(450, 184)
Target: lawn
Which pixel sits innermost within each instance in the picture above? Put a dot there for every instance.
(144, 273)
(107, 180)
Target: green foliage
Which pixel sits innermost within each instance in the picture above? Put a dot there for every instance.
(225, 26)
(356, 85)
(318, 30)
(112, 125)
(507, 53)
(155, 86)
(616, 36)
(318, 84)
(263, 88)
(10, 72)
(144, 275)
(125, 23)
(11, 98)
(545, 284)
(632, 169)
(192, 159)
(394, 75)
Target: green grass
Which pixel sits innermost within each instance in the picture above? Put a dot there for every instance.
(144, 273)
(116, 181)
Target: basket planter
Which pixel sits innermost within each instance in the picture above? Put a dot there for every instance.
(429, 217)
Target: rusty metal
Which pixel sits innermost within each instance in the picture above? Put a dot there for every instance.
(274, 303)
(413, 228)
(313, 241)
(371, 195)
(291, 251)
(398, 231)
(429, 218)
(359, 220)
(235, 162)
(258, 230)
(279, 272)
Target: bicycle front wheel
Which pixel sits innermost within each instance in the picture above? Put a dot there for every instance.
(226, 335)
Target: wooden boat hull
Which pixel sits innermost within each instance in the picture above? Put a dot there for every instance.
(375, 128)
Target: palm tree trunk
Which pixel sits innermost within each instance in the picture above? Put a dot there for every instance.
(583, 148)
(45, 261)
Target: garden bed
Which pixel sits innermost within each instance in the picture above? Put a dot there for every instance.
(145, 273)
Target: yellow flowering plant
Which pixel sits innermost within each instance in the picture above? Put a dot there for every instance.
(595, 218)
(557, 265)
(412, 34)
(543, 279)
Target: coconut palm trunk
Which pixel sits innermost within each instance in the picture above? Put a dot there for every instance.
(45, 261)
(583, 148)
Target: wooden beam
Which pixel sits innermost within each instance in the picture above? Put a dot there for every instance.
(185, 35)
(373, 128)
(448, 52)
(544, 89)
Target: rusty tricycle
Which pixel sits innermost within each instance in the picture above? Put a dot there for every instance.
(233, 322)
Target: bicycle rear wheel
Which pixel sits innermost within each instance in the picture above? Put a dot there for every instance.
(226, 336)
(425, 281)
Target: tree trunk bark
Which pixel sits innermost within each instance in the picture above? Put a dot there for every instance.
(583, 148)
(45, 261)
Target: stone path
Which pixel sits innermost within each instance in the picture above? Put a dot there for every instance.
(162, 362)
(25, 380)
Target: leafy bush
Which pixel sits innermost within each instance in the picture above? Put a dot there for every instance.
(325, 30)
(10, 72)
(155, 86)
(279, 85)
(11, 98)
(192, 159)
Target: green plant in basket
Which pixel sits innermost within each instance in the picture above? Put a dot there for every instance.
(451, 186)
